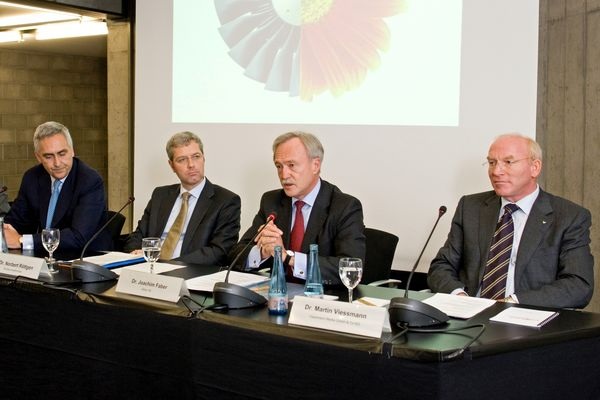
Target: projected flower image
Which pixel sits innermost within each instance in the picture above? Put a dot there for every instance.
(306, 47)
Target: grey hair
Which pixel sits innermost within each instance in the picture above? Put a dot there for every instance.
(48, 129)
(182, 139)
(313, 146)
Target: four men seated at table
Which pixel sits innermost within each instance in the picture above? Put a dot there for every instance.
(516, 243)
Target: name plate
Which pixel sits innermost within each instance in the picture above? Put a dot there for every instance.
(18, 265)
(160, 287)
(338, 316)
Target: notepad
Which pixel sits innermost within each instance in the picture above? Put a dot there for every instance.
(115, 259)
(525, 317)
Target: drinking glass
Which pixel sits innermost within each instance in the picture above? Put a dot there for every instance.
(151, 250)
(50, 240)
(350, 273)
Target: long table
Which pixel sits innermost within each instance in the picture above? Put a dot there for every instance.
(89, 342)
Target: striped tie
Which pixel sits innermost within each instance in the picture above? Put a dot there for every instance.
(496, 269)
(174, 234)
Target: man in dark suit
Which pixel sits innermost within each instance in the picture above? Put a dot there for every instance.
(548, 257)
(210, 221)
(80, 207)
(331, 219)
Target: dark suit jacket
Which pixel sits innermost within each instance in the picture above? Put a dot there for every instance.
(554, 266)
(213, 229)
(335, 224)
(79, 213)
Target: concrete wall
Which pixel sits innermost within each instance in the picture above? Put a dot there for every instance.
(568, 118)
(38, 87)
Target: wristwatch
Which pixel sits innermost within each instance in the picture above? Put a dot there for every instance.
(288, 256)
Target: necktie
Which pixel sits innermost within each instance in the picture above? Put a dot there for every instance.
(53, 200)
(496, 269)
(174, 234)
(297, 234)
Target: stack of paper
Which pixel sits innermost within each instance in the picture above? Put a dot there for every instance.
(206, 283)
(525, 316)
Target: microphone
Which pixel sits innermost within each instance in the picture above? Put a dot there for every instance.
(88, 272)
(414, 313)
(236, 296)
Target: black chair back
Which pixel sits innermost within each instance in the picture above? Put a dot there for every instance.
(115, 227)
(381, 247)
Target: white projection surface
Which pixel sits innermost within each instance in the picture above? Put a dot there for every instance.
(406, 122)
(266, 60)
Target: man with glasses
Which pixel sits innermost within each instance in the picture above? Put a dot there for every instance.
(198, 221)
(517, 243)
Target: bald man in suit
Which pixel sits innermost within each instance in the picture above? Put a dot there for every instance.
(550, 262)
(212, 221)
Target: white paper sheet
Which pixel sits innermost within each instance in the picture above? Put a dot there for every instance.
(159, 268)
(524, 316)
(206, 283)
(455, 306)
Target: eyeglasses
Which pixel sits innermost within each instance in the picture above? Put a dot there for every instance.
(183, 160)
(505, 164)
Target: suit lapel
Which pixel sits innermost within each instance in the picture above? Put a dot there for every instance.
(284, 213)
(44, 196)
(165, 207)
(538, 222)
(488, 218)
(203, 204)
(318, 215)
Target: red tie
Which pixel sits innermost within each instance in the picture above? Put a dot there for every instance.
(296, 238)
(298, 229)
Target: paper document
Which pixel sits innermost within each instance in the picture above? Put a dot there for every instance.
(375, 302)
(455, 306)
(115, 259)
(206, 283)
(159, 267)
(524, 316)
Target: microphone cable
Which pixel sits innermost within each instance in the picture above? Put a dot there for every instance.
(454, 354)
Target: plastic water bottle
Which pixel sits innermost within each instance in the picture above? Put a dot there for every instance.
(278, 298)
(3, 246)
(314, 283)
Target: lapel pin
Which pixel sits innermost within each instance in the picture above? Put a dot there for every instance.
(543, 221)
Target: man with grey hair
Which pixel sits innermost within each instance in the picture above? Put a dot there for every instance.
(61, 192)
(199, 221)
(308, 211)
(517, 243)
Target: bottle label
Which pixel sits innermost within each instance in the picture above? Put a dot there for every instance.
(278, 304)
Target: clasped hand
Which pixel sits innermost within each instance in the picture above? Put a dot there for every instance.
(270, 237)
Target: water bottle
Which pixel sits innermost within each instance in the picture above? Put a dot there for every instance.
(278, 298)
(314, 283)
(3, 246)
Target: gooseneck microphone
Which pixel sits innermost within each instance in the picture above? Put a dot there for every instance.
(88, 272)
(411, 313)
(236, 296)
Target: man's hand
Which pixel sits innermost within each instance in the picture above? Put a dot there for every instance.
(270, 237)
(12, 237)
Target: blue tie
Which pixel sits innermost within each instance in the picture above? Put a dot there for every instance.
(53, 200)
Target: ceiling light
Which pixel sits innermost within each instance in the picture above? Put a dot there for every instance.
(33, 16)
(71, 29)
(10, 36)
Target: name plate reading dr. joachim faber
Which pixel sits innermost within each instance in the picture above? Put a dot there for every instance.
(338, 316)
(18, 265)
(160, 287)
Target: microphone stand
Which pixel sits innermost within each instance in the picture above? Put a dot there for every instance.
(237, 296)
(88, 272)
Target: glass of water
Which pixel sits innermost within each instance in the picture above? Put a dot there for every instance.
(151, 250)
(350, 270)
(50, 240)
